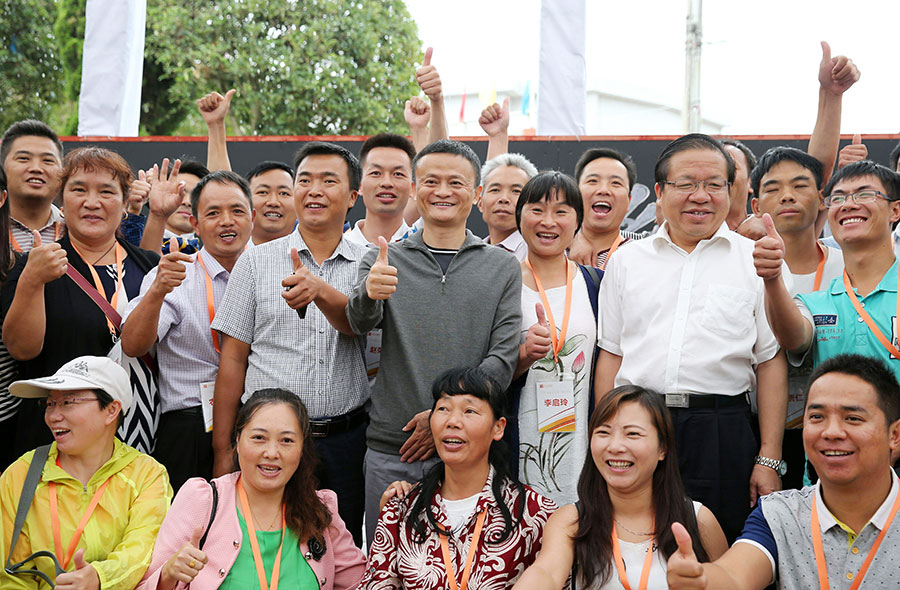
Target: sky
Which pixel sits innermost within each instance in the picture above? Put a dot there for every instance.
(760, 58)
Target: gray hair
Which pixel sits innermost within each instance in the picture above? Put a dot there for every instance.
(516, 160)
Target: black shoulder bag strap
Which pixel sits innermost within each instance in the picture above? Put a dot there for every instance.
(32, 478)
(212, 512)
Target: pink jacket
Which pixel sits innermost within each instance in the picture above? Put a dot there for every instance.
(341, 567)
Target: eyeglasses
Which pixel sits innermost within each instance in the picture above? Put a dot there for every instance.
(858, 198)
(64, 404)
(688, 187)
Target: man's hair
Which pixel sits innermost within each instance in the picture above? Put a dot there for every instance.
(871, 370)
(515, 160)
(387, 140)
(692, 141)
(189, 166)
(894, 157)
(777, 155)
(597, 153)
(748, 153)
(219, 177)
(449, 146)
(542, 188)
(889, 179)
(267, 165)
(324, 148)
(25, 128)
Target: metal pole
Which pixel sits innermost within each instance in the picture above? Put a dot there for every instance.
(690, 115)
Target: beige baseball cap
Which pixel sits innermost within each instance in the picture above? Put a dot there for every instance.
(84, 372)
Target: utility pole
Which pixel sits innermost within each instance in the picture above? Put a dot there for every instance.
(690, 114)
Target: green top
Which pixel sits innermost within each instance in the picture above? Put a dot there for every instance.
(295, 571)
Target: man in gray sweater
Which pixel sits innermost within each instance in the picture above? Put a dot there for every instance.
(443, 298)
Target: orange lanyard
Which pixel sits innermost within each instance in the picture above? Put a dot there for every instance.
(120, 255)
(819, 550)
(15, 243)
(254, 543)
(54, 520)
(210, 303)
(619, 240)
(470, 557)
(887, 344)
(820, 268)
(559, 341)
(620, 563)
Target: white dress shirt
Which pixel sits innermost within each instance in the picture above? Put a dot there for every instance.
(356, 235)
(686, 322)
(514, 243)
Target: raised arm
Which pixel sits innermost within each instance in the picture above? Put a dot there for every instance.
(166, 195)
(214, 108)
(417, 113)
(430, 82)
(836, 75)
(494, 120)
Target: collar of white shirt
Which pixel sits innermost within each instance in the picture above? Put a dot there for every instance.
(662, 236)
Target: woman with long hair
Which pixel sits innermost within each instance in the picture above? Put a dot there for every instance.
(268, 526)
(618, 534)
(555, 365)
(468, 523)
(49, 319)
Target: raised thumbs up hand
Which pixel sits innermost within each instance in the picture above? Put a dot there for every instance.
(538, 343)
(856, 151)
(381, 281)
(82, 577)
(186, 564)
(768, 253)
(683, 570)
(836, 74)
(46, 262)
(301, 287)
(428, 79)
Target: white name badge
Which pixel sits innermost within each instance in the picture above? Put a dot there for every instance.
(556, 403)
(207, 393)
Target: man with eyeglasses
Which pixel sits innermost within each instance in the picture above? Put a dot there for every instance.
(681, 312)
(857, 313)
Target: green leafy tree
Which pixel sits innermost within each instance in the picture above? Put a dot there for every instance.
(30, 72)
(300, 66)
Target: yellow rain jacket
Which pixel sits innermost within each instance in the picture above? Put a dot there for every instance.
(117, 540)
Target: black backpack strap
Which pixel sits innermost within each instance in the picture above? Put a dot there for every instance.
(592, 278)
(212, 512)
(32, 478)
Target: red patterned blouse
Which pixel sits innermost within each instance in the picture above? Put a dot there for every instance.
(396, 560)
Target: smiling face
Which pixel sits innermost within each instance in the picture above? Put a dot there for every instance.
(224, 220)
(463, 427)
(548, 227)
(604, 189)
(626, 449)
(858, 224)
(33, 168)
(322, 192)
(698, 215)
(94, 204)
(445, 190)
(497, 204)
(273, 201)
(386, 181)
(180, 221)
(81, 425)
(845, 432)
(788, 193)
(269, 447)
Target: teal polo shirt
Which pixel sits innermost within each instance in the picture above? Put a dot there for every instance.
(840, 330)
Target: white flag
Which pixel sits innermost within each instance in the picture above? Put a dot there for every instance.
(112, 67)
(563, 83)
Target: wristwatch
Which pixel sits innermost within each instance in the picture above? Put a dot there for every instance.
(780, 467)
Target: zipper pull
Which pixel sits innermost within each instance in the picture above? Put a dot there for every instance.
(443, 281)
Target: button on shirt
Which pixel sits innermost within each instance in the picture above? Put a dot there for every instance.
(780, 527)
(309, 357)
(686, 322)
(185, 351)
(840, 330)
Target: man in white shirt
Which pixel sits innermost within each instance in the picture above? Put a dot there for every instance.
(31, 156)
(272, 189)
(503, 178)
(682, 312)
